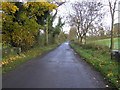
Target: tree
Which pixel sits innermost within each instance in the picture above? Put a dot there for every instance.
(101, 31)
(43, 12)
(112, 8)
(21, 22)
(49, 27)
(7, 20)
(61, 37)
(86, 14)
(58, 27)
(73, 34)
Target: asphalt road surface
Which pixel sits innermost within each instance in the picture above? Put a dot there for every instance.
(60, 68)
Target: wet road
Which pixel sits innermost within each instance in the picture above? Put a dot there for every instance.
(60, 68)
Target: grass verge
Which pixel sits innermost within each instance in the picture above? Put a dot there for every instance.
(11, 62)
(99, 58)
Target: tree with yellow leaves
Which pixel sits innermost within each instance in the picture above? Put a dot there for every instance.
(21, 22)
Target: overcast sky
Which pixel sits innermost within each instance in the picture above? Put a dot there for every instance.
(65, 9)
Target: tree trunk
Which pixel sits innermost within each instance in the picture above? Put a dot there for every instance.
(112, 11)
(85, 38)
(78, 39)
(46, 32)
(47, 36)
(79, 35)
(112, 40)
(81, 39)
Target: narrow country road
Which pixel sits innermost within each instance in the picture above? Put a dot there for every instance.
(60, 68)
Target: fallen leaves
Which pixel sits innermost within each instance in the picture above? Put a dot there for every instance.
(12, 59)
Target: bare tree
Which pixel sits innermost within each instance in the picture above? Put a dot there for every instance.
(86, 14)
(97, 31)
(50, 20)
(112, 8)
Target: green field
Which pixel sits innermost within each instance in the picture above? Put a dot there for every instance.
(106, 42)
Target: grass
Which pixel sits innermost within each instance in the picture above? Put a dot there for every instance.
(13, 61)
(106, 42)
(99, 58)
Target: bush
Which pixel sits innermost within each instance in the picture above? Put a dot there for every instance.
(104, 49)
(10, 51)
